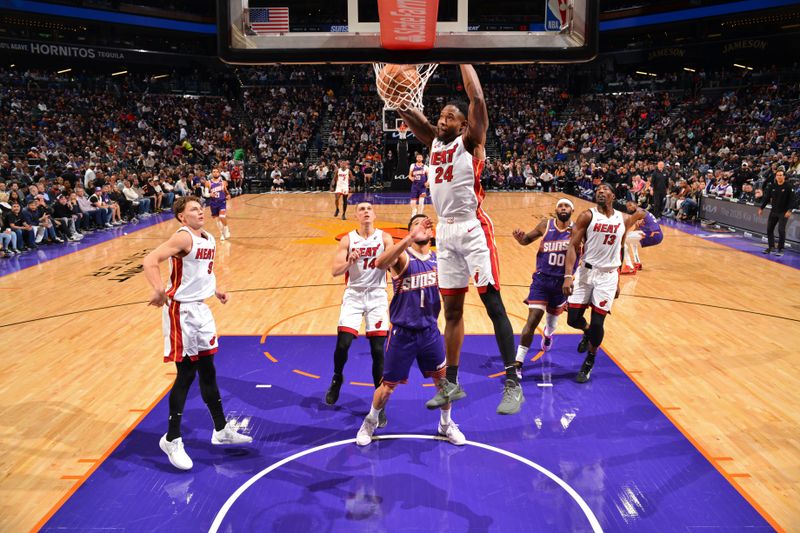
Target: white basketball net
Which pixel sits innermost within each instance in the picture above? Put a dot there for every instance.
(407, 94)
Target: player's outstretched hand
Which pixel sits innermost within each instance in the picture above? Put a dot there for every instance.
(519, 235)
(421, 230)
(353, 257)
(567, 287)
(223, 297)
(158, 298)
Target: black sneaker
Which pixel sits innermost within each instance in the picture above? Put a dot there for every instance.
(766, 251)
(332, 396)
(382, 421)
(584, 344)
(586, 369)
(778, 253)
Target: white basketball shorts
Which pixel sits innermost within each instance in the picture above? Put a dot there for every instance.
(594, 287)
(189, 331)
(465, 249)
(371, 305)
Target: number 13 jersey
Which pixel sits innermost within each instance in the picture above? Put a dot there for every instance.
(455, 179)
(363, 274)
(603, 248)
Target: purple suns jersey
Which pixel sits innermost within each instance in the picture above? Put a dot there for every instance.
(418, 172)
(553, 250)
(416, 304)
(217, 192)
(650, 224)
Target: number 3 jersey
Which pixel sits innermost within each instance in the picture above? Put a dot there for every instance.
(553, 250)
(603, 248)
(191, 277)
(455, 179)
(363, 274)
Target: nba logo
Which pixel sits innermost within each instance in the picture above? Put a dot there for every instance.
(555, 15)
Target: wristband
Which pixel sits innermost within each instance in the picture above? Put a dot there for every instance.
(569, 276)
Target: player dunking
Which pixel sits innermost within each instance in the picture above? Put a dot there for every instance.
(340, 185)
(464, 234)
(418, 174)
(546, 297)
(415, 333)
(190, 336)
(218, 202)
(365, 296)
(646, 232)
(601, 231)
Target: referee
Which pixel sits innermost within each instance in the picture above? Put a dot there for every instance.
(779, 194)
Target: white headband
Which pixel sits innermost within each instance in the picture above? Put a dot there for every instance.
(565, 201)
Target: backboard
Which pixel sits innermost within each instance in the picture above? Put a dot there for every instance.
(347, 31)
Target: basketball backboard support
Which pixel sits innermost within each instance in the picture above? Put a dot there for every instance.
(347, 31)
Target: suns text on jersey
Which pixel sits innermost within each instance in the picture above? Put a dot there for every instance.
(419, 281)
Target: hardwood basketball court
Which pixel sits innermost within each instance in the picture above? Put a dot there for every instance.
(707, 332)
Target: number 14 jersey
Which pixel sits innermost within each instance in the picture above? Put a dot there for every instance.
(363, 274)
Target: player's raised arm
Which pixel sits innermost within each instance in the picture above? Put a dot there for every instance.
(179, 244)
(632, 219)
(394, 256)
(478, 120)
(527, 238)
(578, 236)
(342, 260)
(422, 129)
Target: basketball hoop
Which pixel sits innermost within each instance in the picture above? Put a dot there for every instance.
(407, 92)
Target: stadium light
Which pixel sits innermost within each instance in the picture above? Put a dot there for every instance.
(687, 69)
(742, 66)
(120, 73)
(160, 76)
(64, 71)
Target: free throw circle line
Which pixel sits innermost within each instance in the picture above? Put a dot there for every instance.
(215, 525)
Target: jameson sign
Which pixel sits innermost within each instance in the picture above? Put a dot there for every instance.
(745, 44)
(72, 51)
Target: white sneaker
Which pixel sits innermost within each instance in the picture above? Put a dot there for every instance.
(222, 236)
(229, 435)
(547, 343)
(227, 232)
(177, 455)
(452, 433)
(364, 436)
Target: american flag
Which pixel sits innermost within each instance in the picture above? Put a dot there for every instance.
(269, 19)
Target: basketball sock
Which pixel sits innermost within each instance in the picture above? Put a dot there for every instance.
(186, 371)
(343, 341)
(635, 247)
(344, 204)
(452, 373)
(209, 391)
(551, 322)
(422, 207)
(414, 212)
(522, 351)
(444, 417)
(374, 413)
(511, 373)
(376, 349)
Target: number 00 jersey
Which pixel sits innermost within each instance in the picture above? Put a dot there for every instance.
(191, 277)
(603, 248)
(455, 179)
(553, 250)
(363, 273)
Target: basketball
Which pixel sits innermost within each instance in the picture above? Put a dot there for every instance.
(397, 83)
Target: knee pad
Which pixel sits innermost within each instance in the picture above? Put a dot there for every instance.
(344, 340)
(596, 330)
(575, 317)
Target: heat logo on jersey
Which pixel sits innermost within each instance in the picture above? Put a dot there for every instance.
(606, 228)
(371, 251)
(443, 161)
(205, 253)
(418, 281)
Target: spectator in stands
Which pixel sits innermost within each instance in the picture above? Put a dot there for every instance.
(8, 239)
(547, 179)
(65, 220)
(36, 216)
(26, 236)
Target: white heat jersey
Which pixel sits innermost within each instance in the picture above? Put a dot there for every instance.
(363, 273)
(191, 278)
(343, 180)
(455, 179)
(603, 248)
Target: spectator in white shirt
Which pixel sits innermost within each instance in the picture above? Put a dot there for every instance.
(89, 177)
